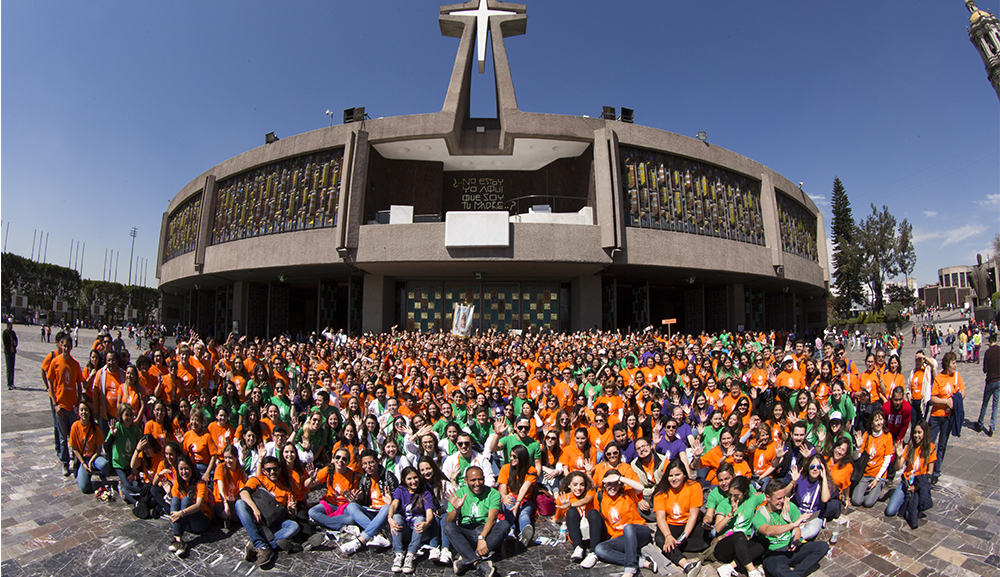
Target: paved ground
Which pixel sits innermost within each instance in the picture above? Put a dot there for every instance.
(48, 528)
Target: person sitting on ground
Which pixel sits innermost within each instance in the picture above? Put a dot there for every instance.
(779, 521)
(677, 501)
(913, 494)
(472, 525)
(410, 514)
(281, 530)
(370, 509)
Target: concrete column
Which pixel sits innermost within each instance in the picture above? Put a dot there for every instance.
(769, 214)
(585, 303)
(205, 220)
(737, 306)
(239, 307)
(377, 304)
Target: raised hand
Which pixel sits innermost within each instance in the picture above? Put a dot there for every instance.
(456, 501)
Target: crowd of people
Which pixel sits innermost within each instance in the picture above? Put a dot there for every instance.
(643, 448)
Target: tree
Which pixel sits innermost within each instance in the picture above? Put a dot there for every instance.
(902, 295)
(879, 245)
(846, 256)
(995, 246)
(906, 255)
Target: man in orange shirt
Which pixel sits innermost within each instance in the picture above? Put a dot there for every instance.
(64, 378)
(253, 521)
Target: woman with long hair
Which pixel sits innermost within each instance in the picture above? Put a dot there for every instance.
(349, 440)
(229, 479)
(916, 460)
(551, 469)
(86, 440)
(516, 483)
(160, 426)
(441, 490)
(411, 519)
(189, 505)
(677, 501)
(578, 498)
(120, 445)
(812, 494)
(734, 522)
(877, 443)
(393, 460)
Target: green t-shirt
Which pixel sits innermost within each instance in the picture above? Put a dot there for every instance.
(511, 441)
(480, 432)
(125, 441)
(284, 409)
(764, 517)
(743, 520)
(475, 509)
(440, 426)
(460, 413)
(710, 437)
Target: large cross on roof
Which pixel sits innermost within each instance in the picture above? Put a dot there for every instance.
(482, 15)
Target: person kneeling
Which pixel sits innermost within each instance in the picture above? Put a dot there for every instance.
(779, 521)
(472, 526)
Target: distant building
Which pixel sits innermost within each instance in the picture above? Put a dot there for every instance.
(984, 32)
(955, 286)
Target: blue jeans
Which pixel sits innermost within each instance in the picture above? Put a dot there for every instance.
(318, 513)
(64, 421)
(940, 433)
(624, 550)
(100, 466)
(407, 538)
(991, 392)
(286, 530)
(196, 523)
(523, 516)
(129, 491)
(438, 537)
(372, 520)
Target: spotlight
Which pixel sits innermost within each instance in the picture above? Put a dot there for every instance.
(343, 252)
(628, 115)
(609, 113)
(330, 114)
(702, 135)
(779, 270)
(270, 137)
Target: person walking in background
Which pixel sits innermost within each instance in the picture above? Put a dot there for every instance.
(9, 352)
(991, 367)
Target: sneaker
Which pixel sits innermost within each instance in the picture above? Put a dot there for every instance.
(315, 540)
(445, 557)
(989, 433)
(527, 536)
(351, 547)
(727, 571)
(977, 427)
(249, 552)
(379, 541)
(263, 556)
(434, 554)
(485, 568)
(353, 531)
(172, 547)
(181, 549)
(577, 554)
(458, 565)
(693, 569)
(408, 564)
(757, 572)
(589, 561)
(397, 562)
(652, 565)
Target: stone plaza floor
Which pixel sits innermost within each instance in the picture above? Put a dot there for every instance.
(47, 527)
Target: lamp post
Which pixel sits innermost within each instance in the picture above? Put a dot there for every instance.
(131, 253)
(330, 114)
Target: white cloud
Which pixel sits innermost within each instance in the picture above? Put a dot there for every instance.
(930, 213)
(949, 236)
(819, 199)
(992, 201)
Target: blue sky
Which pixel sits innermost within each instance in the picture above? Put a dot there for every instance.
(111, 108)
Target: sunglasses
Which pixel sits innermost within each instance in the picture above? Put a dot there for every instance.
(340, 458)
(670, 427)
(551, 438)
(270, 469)
(611, 454)
(522, 428)
(463, 444)
(815, 466)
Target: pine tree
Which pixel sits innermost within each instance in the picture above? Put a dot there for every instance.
(846, 252)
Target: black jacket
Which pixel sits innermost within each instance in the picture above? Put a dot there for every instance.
(387, 483)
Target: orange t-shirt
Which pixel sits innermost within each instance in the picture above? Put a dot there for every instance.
(158, 431)
(530, 477)
(742, 468)
(132, 397)
(869, 383)
(945, 386)
(878, 449)
(201, 448)
(762, 458)
(583, 509)
(573, 458)
(280, 492)
(233, 481)
(86, 440)
(600, 440)
(337, 485)
(840, 474)
(678, 504)
(64, 375)
(221, 434)
(201, 492)
(712, 459)
(917, 385)
(620, 510)
(603, 467)
(919, 466)
(758, 378)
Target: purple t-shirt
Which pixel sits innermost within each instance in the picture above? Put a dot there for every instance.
(808, 495)
(671, 448)
(411, 512)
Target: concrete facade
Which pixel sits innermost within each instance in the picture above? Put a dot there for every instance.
(367, 275)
